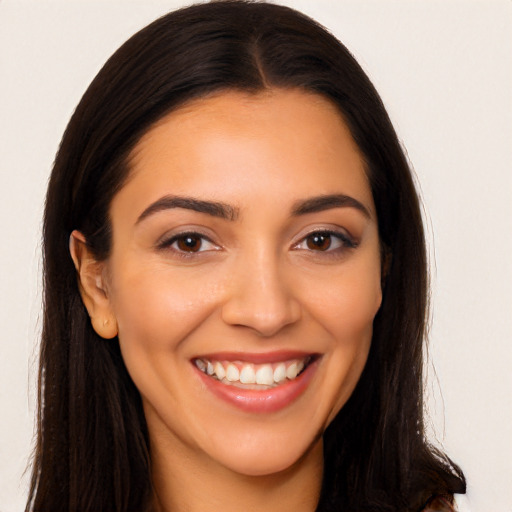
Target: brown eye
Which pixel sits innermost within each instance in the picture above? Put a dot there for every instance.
(319, 241)
(189, 243)
(328, 242)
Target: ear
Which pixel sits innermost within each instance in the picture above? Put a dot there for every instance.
(92, 286)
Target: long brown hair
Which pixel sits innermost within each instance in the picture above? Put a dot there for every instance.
(92, 446)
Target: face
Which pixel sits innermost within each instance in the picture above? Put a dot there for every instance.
(245, 276)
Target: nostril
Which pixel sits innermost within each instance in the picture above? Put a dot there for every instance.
(264, 315)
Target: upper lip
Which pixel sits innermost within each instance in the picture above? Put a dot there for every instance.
(256, 357)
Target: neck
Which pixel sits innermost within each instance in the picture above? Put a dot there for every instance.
(192, 485)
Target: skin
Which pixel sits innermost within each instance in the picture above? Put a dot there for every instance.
(257, 283)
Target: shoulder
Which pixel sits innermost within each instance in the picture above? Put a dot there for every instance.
(461, 503)
(447, 504)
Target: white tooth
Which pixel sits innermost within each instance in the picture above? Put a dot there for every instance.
(300, 366)
(291, 371)
(209, 368)
(219, 370)
(232, 373)
(200, 364)
(280, 373)
(247, 375)
(265, 375)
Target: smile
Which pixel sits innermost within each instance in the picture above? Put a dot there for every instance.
(253, 376)
(257, 383)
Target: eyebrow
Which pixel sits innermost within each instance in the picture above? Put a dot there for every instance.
(326, 202)
(213, 208)
(228, 212)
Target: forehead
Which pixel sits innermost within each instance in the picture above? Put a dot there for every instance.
(290, 141)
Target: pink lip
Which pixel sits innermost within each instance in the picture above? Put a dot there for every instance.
(259, 401)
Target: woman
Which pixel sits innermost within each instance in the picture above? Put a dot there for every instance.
(235, 282)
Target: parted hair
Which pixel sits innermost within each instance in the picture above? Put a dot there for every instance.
(92, 452)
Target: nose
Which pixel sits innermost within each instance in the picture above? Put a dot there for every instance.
(261, 297)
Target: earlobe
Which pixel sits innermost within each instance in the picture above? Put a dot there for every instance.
(92, 286)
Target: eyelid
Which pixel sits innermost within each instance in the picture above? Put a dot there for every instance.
(346, 242)
(335, 231)
(166, 241)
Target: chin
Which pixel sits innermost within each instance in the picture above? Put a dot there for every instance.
(266, 457)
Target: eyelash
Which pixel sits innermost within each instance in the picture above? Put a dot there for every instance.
(168, 243)
(345, 242)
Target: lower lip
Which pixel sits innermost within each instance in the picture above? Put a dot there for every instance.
(264, 400)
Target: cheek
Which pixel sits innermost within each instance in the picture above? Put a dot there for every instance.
(350, 321)
(157, 308)
(346, 302)
(346, 306)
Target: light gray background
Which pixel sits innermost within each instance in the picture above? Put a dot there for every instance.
(444, 70)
